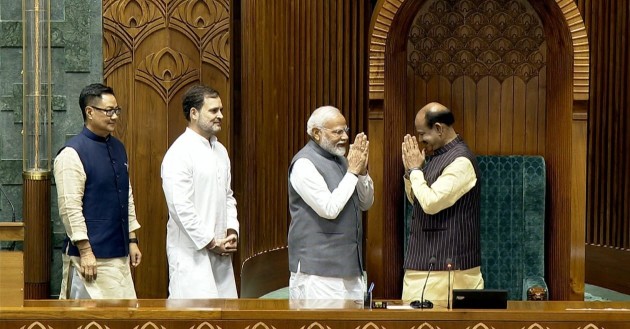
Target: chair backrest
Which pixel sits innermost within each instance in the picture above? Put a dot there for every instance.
(265, 272)
(512, 221)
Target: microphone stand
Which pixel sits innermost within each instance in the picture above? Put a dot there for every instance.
(422, 303)
(449, 265)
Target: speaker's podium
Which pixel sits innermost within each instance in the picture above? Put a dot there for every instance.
(11, 266)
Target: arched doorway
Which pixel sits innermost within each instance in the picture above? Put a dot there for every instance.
(556, 124)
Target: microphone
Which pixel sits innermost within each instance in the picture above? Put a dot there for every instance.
(449, 267)
(10, 203)
(425, 303)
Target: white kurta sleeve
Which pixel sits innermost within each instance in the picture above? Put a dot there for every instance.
(178, 186)
(232, 219)
(311, 186)
(133, 220)
(70, 180)
(365, 189)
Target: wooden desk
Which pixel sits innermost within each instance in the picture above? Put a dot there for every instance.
(11, 266)
(279, 314)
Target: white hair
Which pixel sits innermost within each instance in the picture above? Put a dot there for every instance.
(319, 117)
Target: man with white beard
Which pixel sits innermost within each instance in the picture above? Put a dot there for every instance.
(327, 193)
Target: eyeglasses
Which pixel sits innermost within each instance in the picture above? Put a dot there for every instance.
(109, 112)
(338, 132)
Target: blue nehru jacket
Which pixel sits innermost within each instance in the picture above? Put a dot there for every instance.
(106, 195)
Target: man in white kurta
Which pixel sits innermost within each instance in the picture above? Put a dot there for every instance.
(202, 226)
(327, 193)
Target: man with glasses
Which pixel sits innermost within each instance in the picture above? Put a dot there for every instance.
(327, 193)
(96, 205)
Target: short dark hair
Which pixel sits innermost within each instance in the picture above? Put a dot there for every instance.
(194, 97)
(444, 116)
(89, 93)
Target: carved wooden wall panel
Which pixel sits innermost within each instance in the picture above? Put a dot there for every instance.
(296, 55)
(486, 62)
(608, 210)
(153, 51)
(513, 72)
(387, 9)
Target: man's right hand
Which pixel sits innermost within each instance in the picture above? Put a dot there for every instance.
(88, 261)
(88, 266)
(222, 247)
(358, 155)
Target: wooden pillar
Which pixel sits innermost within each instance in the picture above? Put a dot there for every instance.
(37, 237)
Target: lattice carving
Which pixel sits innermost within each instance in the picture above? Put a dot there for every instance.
(591, 326)
(207, 24)
(480, 326)
(426, 325)
(205, 325)
(94, 325)
(476, 38)
(386, 10)
(535, 326)
(315, 325)
(260, 325)
(36, 325)
(134, 20)
(370, 325)
(148, 325)
(166, 72)
(116, 52)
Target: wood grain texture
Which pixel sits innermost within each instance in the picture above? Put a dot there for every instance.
(11, 231)
(295, 56)
(11, 278)
(281, 314)
(153, 51)
(37, 237)
(608, 192)
(385, 11)
(502, 109)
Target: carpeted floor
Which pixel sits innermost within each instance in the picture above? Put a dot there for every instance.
(595, 293)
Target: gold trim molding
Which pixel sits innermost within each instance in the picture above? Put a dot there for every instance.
(36, 175)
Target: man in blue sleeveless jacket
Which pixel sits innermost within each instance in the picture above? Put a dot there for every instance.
(444, 232)
(327, 193)
(96, 205)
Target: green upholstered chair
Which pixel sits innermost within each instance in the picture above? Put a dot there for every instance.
(266, 275)
(512, 224)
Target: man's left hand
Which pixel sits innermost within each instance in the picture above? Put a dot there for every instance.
(231, 242)
(412, 156)
(135, 256)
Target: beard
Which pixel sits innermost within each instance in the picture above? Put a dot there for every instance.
(209, 127)
(336, 149)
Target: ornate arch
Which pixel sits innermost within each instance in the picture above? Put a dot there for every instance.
(387, 9)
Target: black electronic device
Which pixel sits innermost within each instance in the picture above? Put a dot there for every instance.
(480, 298)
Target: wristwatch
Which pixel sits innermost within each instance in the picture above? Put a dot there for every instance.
(133, 240)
